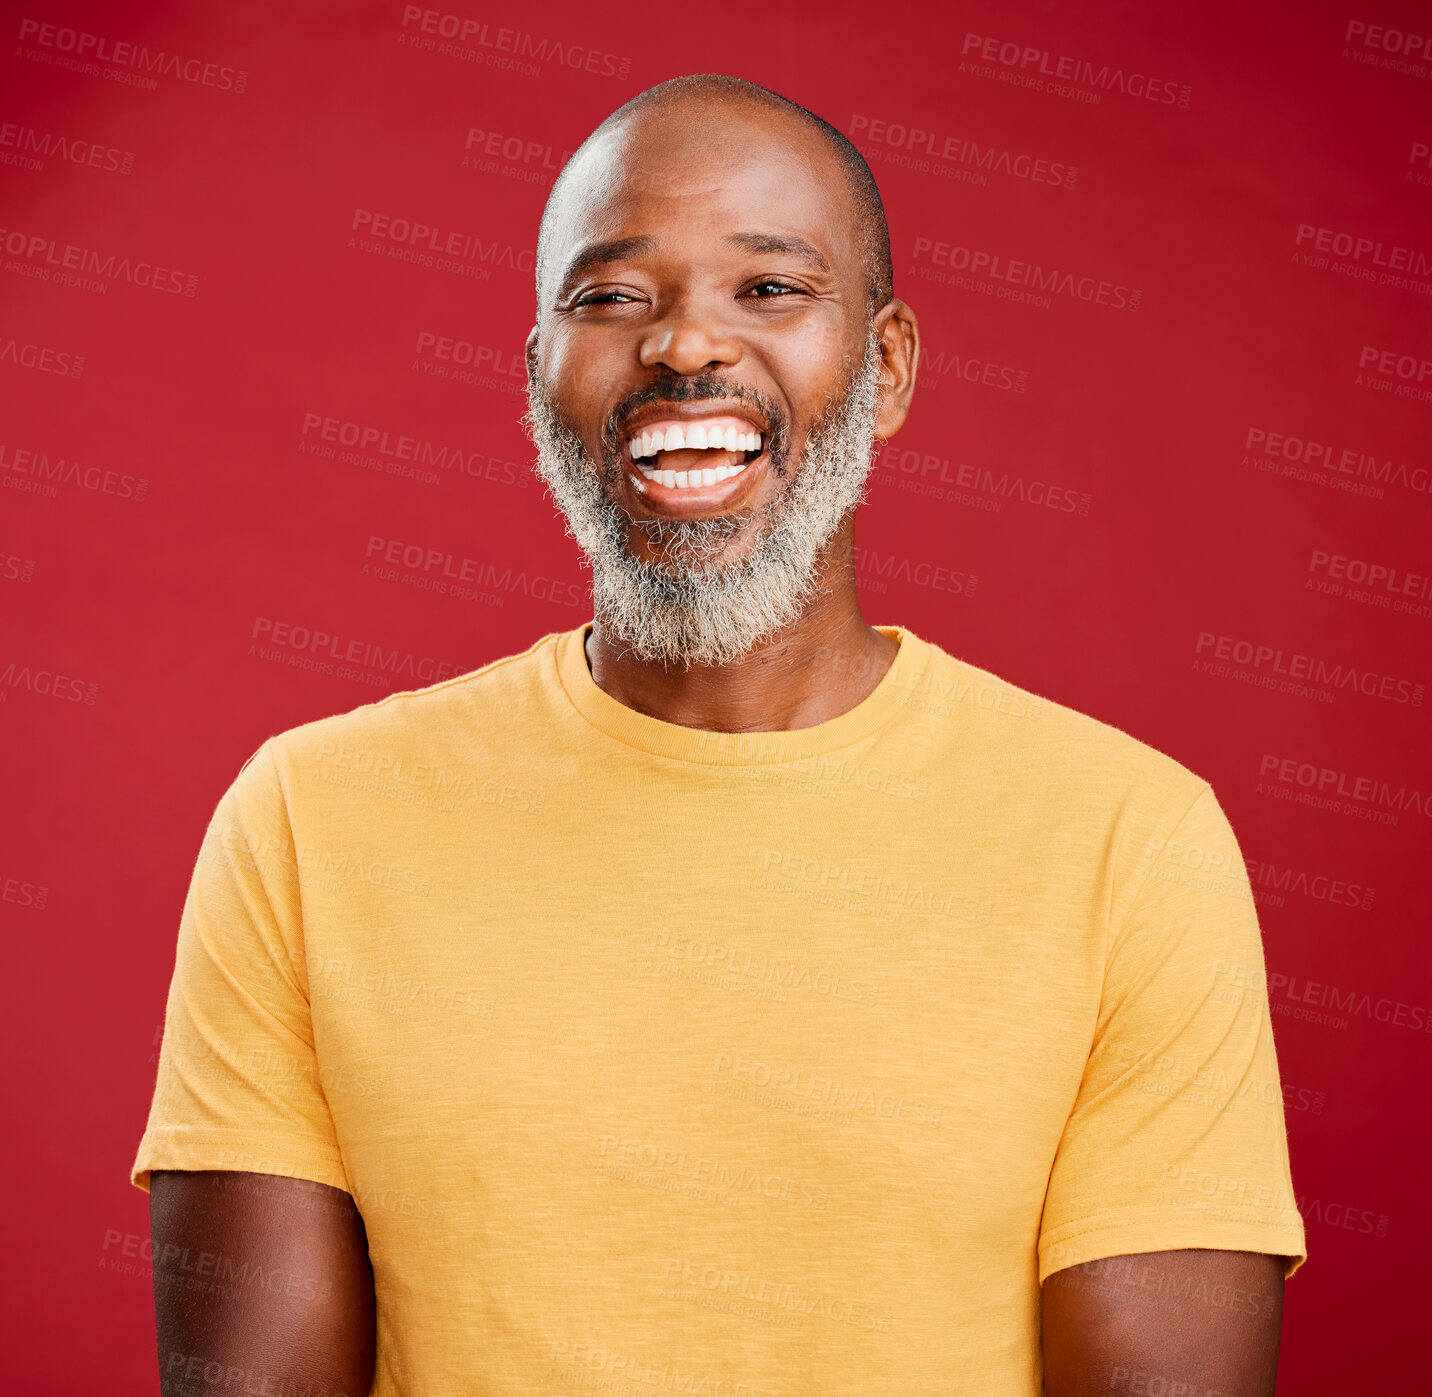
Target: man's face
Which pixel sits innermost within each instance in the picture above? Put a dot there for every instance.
(705, 384)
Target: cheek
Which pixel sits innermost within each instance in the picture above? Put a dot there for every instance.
(560, 377)
(585, 377)
(814, 367)
(829, 351)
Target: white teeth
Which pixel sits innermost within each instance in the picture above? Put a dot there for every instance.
(698, 436)
(688, 480)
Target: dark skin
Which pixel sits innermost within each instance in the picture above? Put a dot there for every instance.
(313, 1330)
(689, 301)
(1207, 1319)
(698, 297)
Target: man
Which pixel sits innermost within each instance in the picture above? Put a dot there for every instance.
(727, 996)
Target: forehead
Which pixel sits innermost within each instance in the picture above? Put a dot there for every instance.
(687, 175)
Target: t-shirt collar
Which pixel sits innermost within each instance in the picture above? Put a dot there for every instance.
(652, 735)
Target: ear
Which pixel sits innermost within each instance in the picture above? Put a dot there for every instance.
(898, 334)
(531, 354)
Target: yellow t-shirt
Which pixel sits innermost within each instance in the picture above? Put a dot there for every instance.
(661, 1060)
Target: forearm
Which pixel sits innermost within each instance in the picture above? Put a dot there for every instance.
(1179, 1323)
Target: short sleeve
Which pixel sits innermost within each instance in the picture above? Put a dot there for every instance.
(1177, 1137)
(239, 1085)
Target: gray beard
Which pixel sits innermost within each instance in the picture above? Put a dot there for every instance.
(688, 607)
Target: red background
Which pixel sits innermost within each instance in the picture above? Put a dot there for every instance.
(131, 684)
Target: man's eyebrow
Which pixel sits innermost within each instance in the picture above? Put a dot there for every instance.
(596, 254)
(787, 243)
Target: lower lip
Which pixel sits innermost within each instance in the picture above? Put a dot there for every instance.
(695, 501)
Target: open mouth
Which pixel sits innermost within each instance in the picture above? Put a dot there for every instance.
(693, 453)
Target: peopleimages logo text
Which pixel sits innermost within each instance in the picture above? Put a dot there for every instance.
(84, 46)
(501, 40)
(1361, 248)
(1031, 61)
(1014, 271)
(1329, 782)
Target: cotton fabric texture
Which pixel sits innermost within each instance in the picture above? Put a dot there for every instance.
(727, 1064)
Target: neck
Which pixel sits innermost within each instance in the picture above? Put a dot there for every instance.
(819, 667)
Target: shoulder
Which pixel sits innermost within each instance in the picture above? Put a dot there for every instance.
(464, 712)
(1092, 799)
(1053, 752)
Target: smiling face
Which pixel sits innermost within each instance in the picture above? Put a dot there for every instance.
(706, 374)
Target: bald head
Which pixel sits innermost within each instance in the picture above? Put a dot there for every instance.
(701, 102)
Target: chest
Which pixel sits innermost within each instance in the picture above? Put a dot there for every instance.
(747, 1016)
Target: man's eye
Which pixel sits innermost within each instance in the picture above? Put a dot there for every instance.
(598, 298)
(766, 289)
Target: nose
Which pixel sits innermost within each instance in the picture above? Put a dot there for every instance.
(690, 338)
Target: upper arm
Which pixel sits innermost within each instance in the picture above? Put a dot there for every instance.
(239, 1082)
(1204, 1322)
(266, 1277)
(1176, 1138)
